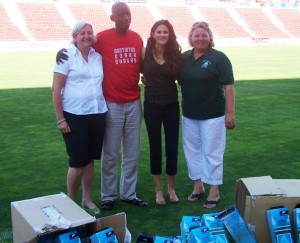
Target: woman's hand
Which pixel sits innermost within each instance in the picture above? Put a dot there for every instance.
(64, 127)
(230, 106)
(229, 120)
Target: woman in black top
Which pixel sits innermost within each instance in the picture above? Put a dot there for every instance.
(161, 66)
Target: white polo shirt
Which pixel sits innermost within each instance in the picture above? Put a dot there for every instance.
(82, 93)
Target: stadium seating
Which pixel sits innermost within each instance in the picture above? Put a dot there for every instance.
(259, 23)
(92, 13)
(44, 21)
(142, 20)
(8, 31)
(180, 18)
(222, 23)
(289, 18)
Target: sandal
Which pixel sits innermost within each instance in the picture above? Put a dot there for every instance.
(136, 202)
(211, 203)
(107, 205)
(92, 211)
(195, 197)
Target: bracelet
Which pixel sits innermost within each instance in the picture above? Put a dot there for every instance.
(61, 121)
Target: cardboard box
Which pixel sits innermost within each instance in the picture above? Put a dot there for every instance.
(187, 224)
(106, 235)
(68, 237)
(178, 239)
(201, 235)
(236, 226)
(215, 225)
(280, 225)
(296, 221)
(255, 195)
(42, 219)
(116, 221)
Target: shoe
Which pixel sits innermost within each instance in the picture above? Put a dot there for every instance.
(211, 203)
(136, 202)
(195, 197)
(107, 205)
(173, 200)
(92, 211)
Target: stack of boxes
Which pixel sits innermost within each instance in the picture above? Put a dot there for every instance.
(267, 210)
(253, 218)
(212, 228)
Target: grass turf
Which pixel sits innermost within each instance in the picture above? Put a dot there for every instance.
(265, 141)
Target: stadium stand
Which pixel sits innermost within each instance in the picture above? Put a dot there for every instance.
(50, 21)
(259, 23)
(142, 20)
(44, 22)
(289, 18)
(224, 26)
(180, 17)
(8, 31)
(92, 13)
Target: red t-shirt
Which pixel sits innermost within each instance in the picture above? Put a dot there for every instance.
(121, 64)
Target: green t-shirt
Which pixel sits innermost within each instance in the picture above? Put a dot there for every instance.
(202, 82)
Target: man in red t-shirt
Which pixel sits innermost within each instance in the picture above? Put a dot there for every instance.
(121, 50)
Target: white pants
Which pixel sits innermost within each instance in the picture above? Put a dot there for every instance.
(204, 146)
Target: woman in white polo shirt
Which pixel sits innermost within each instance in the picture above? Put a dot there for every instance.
(80, 111)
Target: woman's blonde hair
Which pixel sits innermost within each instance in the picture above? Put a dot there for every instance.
(205, 26)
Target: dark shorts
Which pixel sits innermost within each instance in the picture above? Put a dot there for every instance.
(84, 142)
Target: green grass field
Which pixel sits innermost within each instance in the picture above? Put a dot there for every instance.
(34, 69)
(266, 140)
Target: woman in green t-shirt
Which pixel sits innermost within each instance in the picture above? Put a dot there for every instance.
(208, 103)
